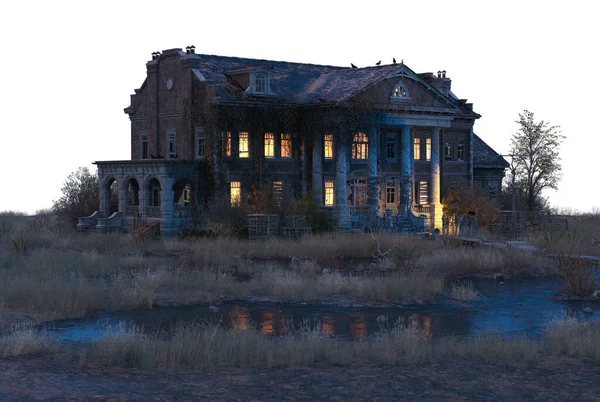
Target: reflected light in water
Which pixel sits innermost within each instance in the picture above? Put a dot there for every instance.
(267, 324)
(328, 325)
(239, 318)
(359, 326)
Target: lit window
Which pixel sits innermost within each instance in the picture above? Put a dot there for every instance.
(328, 146)
(360, 146)
(423, 192)
(244, 151)
(172, 151)
(329, 193)
(260, 83)
(235, 190)
(460, 151)
(278, 192)
(286, 146)
(226, 143)
(417, 148)
(448, 151)
(390, 147)
(144, 146)
(400, 92)
(390, 194)
(199, 143)
(269, 145)
(428, 149)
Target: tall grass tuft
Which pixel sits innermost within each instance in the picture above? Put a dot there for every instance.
(24, 340)
(464, 291)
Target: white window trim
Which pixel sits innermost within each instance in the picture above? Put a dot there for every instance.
(252, 88)
(400, 98)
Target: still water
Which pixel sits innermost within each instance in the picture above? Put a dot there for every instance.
(514, 307)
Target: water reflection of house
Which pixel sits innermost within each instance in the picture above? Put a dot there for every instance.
(366, 142)
(239, 318)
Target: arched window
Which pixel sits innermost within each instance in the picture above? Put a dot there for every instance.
(400, 92)
(360, 146)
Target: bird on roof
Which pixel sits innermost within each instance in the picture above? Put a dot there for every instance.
(394, 59)
(378, 63)
(270, 68)
(353, 66)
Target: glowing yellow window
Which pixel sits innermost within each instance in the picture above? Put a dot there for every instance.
(244, 151)
(417, 148)
(269, 145)
(328, 146)
(428, 149)
(360, 146)
(278, 192)
(286, 146)
(329, 193)
(226, 143)
(235, 190)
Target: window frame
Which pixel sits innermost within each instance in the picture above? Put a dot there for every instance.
(235, 187)
(448, 145)
(328, 145)
(460, 151)
(226, 144)
(390, 190)
(286, 139)
(400, 93)
(143, 145)
(200, 143)
(171, 144)
(269, 145)
(260, 87)
(360, 147)
(417, 148)
(423, 192)
(329, 193)
(243, 146)
(428, 149)
(394, 147)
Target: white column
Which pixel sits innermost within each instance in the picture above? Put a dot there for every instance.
(372, 190)
(407, 176)
(317, 168)
(434, 181)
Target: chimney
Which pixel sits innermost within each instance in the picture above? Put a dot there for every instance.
(155, 55)
(190, 49)
(443, 83)
(439, 74)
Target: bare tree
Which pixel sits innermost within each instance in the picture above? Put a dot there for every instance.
(535, 149)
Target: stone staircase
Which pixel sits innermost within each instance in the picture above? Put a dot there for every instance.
(147, 230)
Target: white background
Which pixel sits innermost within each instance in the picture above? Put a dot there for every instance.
(68, 68)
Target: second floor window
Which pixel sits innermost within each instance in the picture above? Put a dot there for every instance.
(243, 149)
(144, 146)
(360, 146)
(460, 151)
(171, 149)
(448, 151)
(226, 143)
(269, 145)
(328, 142)
(200, 143)
(390, 147)
(428, 149)
(286, 146)
(417, 148)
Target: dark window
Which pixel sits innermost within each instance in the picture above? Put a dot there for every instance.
(460, 151)
(448, 151)
(144, 147)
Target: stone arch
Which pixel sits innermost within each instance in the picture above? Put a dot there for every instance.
(153, 189)
(110, 195)
(131, 190)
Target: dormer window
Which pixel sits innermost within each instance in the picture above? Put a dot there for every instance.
(400, 93)
(260, 83)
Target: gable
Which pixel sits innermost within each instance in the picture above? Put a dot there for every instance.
(418, 95)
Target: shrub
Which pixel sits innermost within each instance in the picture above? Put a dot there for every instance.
(80, 196)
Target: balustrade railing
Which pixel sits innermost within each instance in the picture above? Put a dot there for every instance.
(153, 212)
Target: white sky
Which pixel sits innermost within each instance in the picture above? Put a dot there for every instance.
(68, 69)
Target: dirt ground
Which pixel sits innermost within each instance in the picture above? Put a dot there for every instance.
(55, 380)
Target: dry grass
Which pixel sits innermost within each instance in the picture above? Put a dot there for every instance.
(566, 335)
(464, 291)
(23, 341)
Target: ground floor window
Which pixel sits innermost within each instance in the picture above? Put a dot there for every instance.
(329, 193)
(235, 191)
(423, 193)
(390, 194)
(278, 193)
(243, 149)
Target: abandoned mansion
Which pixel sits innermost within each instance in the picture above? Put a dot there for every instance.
(380, 142)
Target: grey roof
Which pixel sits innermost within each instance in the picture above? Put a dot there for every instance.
(485, 157)
(304, 83)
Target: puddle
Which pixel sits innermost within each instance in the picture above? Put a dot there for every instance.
(514, 307)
